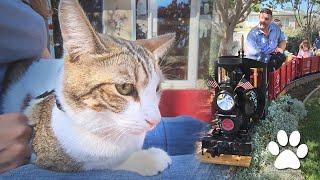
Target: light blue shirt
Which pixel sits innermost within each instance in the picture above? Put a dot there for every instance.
(283, 37)
(22, 33)
(259, 46)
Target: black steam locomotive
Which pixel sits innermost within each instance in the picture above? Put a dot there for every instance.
(240, 87)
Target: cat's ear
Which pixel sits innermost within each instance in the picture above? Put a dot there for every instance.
(160, 45)
(79, 37)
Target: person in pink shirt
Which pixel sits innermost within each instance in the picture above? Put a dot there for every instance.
(304, 50)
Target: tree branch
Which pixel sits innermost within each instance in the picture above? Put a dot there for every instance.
(244, 17)
(222, 11)
(246, 9)
(297, 16)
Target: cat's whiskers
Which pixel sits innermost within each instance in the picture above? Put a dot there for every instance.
(131, 125)
(111, 134)
(115, 136)
(121, 133)
(107, 126)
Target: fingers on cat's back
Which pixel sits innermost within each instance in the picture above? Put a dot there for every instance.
(13, 118)
(13, 126)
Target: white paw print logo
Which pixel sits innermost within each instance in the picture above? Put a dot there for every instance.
(287, 158)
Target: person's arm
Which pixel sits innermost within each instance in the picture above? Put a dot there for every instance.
(14, 141)
(274, 38)
(22, 32)
(300, 53)
(283, 37)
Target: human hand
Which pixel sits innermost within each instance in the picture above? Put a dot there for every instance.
(278, 50)
(14, 141)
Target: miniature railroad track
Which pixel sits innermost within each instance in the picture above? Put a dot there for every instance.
(299, 82)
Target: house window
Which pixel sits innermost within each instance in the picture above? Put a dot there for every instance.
(142, 19)
(118, 18)
(286, 22)
(145, 19)
(207, 41)
(174, 16)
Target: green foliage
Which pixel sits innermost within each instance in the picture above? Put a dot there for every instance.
(305, 13)
(256, 7)
(281, 116)
(310, 166)
(295, 38)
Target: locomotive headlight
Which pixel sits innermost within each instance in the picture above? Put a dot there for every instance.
(225, 101)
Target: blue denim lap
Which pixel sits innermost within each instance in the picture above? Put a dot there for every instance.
(183, 167)
(174, 135)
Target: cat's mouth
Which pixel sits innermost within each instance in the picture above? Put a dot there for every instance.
(151, 124)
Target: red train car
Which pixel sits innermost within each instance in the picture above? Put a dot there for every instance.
(293, 68)
(314, 64)
(289, 72)
(306, 66)
(318, 57)
(299, 67)
(283, 76)
(274, 84)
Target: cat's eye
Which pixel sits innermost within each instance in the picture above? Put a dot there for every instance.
(125, 89)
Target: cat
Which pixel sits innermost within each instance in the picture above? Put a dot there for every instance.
(92, 109)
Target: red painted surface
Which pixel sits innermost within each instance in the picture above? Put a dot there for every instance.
(299, 67)
(314, 64)
(293, 69)
(306, 65)
(318, 57)
(274, 83)
(283, 78)
(289, 72)
(227, 124)
(191, 102)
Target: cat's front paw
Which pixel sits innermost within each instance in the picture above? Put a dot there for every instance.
(148, 162)
(156, 160)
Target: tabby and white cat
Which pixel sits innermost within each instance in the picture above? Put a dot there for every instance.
(105, 99)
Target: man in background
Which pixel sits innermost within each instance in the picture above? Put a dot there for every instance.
(263, 41)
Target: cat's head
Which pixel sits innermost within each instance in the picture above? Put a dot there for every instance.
(109, 83)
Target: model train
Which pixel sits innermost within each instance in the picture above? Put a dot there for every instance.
(242, 89)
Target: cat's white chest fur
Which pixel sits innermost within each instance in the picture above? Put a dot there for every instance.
(93, 151)
(96, 153)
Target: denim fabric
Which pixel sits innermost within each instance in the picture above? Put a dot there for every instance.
(183, 167)
(23, 32)
(175, 135)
